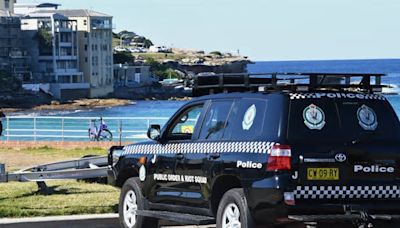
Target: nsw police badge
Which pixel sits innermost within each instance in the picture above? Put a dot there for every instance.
(367, 118)
(314, 117)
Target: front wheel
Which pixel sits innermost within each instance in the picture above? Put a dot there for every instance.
(233, 211)
(131, 200)
(106, 135)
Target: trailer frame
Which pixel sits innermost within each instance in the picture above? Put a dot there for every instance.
(84, 168)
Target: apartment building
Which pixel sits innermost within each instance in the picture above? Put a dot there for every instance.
(53, 44)
(94, 46)
(13, 56)
(95, 49)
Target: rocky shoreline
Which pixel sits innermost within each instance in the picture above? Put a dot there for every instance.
(73, 105)
(83, 104)
(26, 101)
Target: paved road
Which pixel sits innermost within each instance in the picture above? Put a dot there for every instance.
(76, 221)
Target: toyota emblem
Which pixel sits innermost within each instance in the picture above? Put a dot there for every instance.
(340, 157)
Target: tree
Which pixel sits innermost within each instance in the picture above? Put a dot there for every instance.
(218, 53)
(123, 57)
(115, 35)
(45, 40)
(147, 43)
(161, 70)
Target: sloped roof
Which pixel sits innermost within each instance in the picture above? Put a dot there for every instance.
(81, 13)
(46, 14)
(46, 5)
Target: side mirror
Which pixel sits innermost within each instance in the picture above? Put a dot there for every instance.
(154, 132)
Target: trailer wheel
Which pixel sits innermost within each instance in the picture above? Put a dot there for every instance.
(131, 200)
(233, 210)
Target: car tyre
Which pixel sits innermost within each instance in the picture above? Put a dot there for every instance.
(233, 210)
(131, 200)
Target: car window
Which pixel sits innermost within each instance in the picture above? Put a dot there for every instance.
(215, 120)
(185, 123)
(342, 121)
(246, 120)
(374, 117)
(314, 119)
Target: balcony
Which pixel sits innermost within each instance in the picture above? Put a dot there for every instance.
(65, 44)
(50, 58)
(64, 30)
(74, 85)
(103, 26)
(67, 71)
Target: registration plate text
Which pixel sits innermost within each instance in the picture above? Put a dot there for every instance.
(322, 173)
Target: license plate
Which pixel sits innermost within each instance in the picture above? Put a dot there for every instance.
(322, 173)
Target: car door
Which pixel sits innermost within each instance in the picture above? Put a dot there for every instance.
(200, 165)
(170, 182)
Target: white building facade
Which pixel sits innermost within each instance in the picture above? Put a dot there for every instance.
(52, 41)
(95, 49)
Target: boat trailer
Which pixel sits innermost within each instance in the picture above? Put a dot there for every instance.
(84, 168)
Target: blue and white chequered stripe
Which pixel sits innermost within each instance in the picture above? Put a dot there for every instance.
(200, 147)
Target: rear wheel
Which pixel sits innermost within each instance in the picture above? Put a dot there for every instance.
(92, 136)
(131, 200)
(233, 211)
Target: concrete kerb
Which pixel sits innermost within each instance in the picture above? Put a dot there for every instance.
(73, 221)
(77, 221)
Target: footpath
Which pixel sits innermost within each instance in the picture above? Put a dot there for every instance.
(74, 221)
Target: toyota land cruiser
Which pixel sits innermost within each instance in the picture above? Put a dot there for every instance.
(319, 150)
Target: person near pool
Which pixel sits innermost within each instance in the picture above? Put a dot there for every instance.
(1, 123)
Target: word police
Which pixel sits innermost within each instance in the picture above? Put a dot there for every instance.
(248, 165)
(347, 95)
(373, 169)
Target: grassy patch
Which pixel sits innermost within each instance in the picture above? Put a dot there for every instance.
(66, 198)
(63, 197)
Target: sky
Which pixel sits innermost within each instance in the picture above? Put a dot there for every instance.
(269, 30)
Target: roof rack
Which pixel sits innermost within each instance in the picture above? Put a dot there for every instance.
(294, 82)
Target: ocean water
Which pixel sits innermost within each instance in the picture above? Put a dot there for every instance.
(167, 108)
(391, 67)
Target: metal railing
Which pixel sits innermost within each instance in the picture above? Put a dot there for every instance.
(52, 128)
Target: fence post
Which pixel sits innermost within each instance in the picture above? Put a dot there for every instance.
(8, 127)
(120, 131)
(62, 130)
(34, 129)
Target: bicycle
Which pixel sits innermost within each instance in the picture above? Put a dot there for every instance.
(100, 133)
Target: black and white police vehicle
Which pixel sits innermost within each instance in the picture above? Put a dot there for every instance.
(293, 148)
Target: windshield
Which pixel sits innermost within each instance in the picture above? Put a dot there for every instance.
(342, 121)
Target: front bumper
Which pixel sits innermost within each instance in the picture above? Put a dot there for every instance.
(111, 177)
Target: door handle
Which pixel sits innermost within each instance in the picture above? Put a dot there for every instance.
(214, 156)
(179, 156)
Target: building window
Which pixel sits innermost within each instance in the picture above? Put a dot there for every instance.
(86, 34)
(85, 47)
(85, 22)
(86, 59)
(7, 4)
